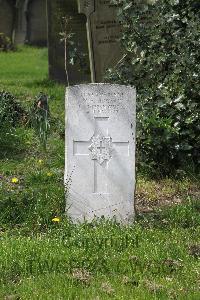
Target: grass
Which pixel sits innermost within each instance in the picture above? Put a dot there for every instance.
(103, 261)
(25, 73)
(157, 257)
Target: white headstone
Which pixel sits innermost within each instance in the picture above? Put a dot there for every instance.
(100, 151)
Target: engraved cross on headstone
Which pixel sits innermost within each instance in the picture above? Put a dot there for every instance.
(100, 151)
(101, 147)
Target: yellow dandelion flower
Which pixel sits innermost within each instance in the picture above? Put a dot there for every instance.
(40, 161)
(14, 180)
(56, 220)
(49, 174)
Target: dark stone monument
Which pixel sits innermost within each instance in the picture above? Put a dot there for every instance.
(36, 22)
(96, 32)
(30, 22)
(7, 17)
(24, 21)
(20, 22)
(64, 20)
(104, 32)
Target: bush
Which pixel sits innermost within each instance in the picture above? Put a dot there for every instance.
(161, 39)
(5, 43)
(11, 116)
(11, 113)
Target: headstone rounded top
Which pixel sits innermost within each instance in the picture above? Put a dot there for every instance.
(101, 84)
(86, 7)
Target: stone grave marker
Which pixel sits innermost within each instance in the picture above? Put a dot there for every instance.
(56, 10)
(36, 15)
(104, 32)
(21, 21)
(100, 151)
(7, 12)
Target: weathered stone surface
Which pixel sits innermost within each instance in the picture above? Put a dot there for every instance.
(104, 32)
(25, 21)
(36, 22)
(100, 151)
(21, 22)
(7, 17)
(79, 72)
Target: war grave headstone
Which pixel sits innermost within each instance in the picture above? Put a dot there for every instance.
(7, 17)
(56, 11)
(104, 31)
(100, 151)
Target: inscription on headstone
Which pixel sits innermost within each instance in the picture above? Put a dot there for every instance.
(104, 32)
(100, 151)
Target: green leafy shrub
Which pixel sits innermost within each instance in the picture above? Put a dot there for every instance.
(5, 43)
(12, 115)
(161, 39)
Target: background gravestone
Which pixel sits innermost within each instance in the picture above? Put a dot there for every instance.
(104, 32)
(21, 22)
(24, 21)
(36, 22)
(56, 11)
(7, 12)
(100, 151)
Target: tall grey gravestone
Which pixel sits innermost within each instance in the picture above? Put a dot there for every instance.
(100, 151)
(103, 32)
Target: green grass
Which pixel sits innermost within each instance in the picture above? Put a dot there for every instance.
(25, 73)
(103, 260)
(157, 257)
